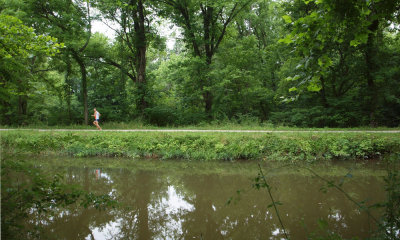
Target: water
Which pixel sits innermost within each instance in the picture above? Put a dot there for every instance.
(177, 200)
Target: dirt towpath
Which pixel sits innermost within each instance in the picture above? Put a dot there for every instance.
(207, 130)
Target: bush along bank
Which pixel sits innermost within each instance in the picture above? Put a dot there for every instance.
(290, 147)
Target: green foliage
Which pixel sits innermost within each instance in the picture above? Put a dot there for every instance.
(390, 224)
(296, 63)
(28, 192)
(20, 42)
(340, 45)
(324, 25)
(205, 147)
(161, 115)
(22, 52)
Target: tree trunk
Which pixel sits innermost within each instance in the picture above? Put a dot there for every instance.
(141, 72)
(207, 96)
(370, 53)
(213, 32)
(141, 47)
(22, 102)
(323, 93)
(209, 52)
(84, 92)
(68, 87)
(82, 67)
(22, 108)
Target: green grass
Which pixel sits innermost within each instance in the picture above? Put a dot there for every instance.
(281, 147)
(203, 126)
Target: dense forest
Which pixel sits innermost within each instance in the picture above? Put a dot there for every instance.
(305, 63)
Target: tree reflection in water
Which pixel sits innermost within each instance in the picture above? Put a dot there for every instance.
(167, 205)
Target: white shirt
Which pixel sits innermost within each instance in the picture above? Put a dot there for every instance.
(97, 115)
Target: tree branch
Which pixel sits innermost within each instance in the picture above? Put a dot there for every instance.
(89, 29)
(232, 15)
(117, 65)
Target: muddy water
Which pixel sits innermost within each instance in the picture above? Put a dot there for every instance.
(177, 201)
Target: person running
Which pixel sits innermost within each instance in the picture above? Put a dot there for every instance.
(96, 116)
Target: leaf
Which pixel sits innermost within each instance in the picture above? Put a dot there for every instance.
(292, 89)
(286, 40)
(325, 61)
(363, 37)
(366, 11)
(354, 43)
(313, 87)
(287, 18)
(313, 15)
(359, 39)
(315, 78)
(308, 62)
(229, 201)
(297, 77)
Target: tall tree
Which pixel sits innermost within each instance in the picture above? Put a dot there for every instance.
(204, 25)
(134, 33)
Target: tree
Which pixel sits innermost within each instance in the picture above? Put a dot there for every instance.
(326, 34)
(112, 100)
(134, 33)
(22, 53)
(227, 64)
(70, 22)
(266, 26)
(204, 24)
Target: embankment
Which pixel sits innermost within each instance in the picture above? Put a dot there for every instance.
(290, 147)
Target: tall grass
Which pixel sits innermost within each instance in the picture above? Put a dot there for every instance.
(290, 147)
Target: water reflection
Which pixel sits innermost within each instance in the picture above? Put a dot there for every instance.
(105, 232)
(165, 205)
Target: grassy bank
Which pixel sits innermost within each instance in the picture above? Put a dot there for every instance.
(290, 147)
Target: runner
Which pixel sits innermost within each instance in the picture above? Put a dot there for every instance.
(96, 116)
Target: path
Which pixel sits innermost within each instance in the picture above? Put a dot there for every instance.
(209, 131)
